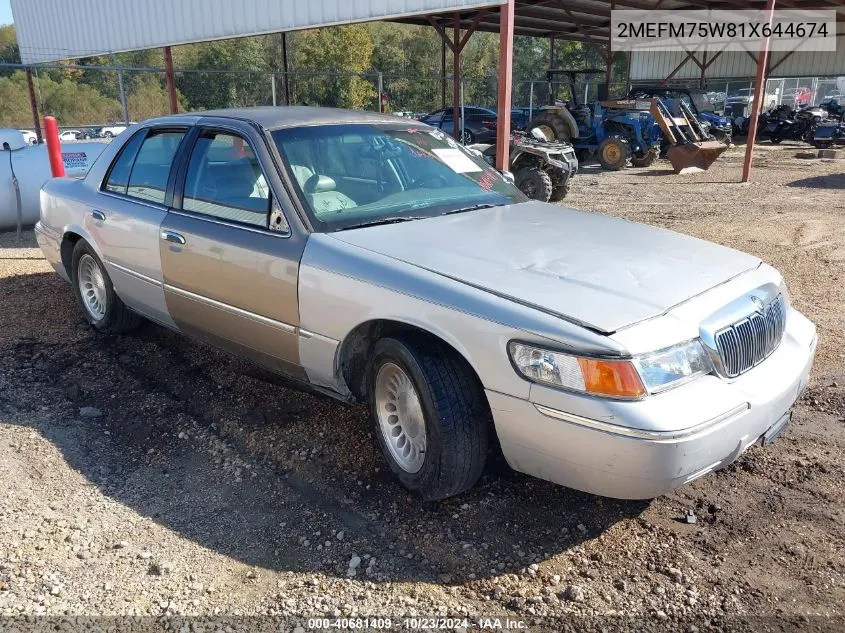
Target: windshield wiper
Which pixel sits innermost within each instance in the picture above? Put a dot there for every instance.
(391, 220)
(474, 207)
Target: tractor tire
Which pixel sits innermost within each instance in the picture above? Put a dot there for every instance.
(645, 160)
(534, 183)
(551, 125)
(614, 153)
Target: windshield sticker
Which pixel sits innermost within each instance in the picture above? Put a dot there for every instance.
(455, 159)
(487, 180)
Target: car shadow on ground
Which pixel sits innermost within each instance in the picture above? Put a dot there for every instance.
(830, 181)
(240, 462)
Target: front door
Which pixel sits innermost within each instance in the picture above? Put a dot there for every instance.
(229, 278)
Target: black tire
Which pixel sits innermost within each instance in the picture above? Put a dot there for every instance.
(467, 137)
(645, 160)
(457, 416)
(554, 123)
(614, 153)
(775, 140)
(534, 183)
(107, 134)
(118, 319)
(559, 193)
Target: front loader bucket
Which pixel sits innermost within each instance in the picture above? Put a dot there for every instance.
(690, 157)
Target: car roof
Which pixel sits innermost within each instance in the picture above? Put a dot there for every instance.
(275, 117)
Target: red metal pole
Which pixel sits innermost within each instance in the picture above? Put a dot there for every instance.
(171, 83)
(54, 149)
(33, 104)
(503, 136)
(456, 76)
(759, 96)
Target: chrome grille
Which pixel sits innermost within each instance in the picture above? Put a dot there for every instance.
(748, 342)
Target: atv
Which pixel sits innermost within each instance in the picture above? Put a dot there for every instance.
(542, 170)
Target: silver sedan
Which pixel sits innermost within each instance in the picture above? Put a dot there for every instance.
(376, 260)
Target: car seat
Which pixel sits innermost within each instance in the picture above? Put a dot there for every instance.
(323, 195)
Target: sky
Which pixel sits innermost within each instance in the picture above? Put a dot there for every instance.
(5, 12)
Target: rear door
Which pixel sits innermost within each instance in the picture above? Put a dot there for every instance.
(229, 259)
(129, 210)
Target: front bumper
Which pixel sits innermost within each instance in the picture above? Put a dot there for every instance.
(643, 449)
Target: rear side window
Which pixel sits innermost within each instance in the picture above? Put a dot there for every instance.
(118, 178)
(225, 180)
(148, 179)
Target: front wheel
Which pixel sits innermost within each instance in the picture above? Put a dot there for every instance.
(645, 160)
(95, 293)
(534, 183)
(107, 134)
(467, 137)
(614, 153)
(430, 415)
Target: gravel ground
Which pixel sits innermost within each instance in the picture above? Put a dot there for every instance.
(152, 475)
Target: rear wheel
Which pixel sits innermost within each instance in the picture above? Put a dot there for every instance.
(553, 126)
(614, 153)
(534, 183)
(430, 415)
(95, 293)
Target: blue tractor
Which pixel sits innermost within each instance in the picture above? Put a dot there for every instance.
(615, 131)
(612, 133)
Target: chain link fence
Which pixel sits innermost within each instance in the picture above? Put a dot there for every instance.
(87, 97)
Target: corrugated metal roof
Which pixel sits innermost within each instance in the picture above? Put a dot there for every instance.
(49, 30)
(655, 66)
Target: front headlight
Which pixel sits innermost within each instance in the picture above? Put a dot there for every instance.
(627, 379)
(673, 366)
(600, 377)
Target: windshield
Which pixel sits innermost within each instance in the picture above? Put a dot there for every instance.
(353, 175)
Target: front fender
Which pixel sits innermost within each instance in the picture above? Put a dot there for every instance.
(342, 286)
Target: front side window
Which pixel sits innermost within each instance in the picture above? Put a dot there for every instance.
(225, 180)
(358, 174)
(148, 179)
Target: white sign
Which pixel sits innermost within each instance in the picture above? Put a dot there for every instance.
(458, 161)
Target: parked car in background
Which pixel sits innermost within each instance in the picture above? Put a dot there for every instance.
(377, 260)
(29, 137)
(479, 125)
(521, 116)
(91, 132)
(70, 135)
(112, 130)
(739, 104)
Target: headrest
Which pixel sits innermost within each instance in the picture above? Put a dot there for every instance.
(319, 184)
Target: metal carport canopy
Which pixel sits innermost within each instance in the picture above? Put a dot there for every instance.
(51, 30)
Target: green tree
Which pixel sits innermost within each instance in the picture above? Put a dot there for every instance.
(346, 50)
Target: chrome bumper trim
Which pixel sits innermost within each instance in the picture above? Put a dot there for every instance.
(616, 429)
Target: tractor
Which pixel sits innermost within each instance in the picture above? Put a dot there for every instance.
(613, 135)
(627, 129)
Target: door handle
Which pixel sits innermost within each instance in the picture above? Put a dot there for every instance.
(170, 236)
(98, 215)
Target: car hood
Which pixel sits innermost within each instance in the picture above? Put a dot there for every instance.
(599, 271)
